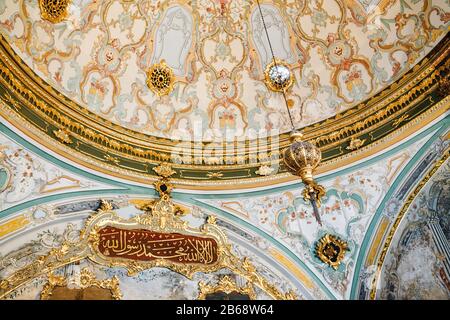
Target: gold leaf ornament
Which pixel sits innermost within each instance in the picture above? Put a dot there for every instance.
(62, 136)
(355, 143)
(164, 170)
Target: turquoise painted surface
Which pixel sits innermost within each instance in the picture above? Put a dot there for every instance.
(4, 178)
(440, 128)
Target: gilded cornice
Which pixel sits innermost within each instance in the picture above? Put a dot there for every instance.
(44, 114)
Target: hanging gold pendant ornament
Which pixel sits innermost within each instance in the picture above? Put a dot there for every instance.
(160, 78)
(278, 76)
(318, 190)
(302, 158)
(54, 11)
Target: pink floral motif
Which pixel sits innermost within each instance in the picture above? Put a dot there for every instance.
(98, 88)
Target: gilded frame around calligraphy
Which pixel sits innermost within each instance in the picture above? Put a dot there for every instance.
(111, 219)
(160, 216)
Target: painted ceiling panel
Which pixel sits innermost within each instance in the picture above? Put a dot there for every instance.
(341, 52)
(27, 176)
(83, 133)
(415, 266)
(347, 210)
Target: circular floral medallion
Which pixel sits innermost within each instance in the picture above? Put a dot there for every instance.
(224, 87)
(278, 77)
(338, 51)
(54, 10)
(160, 78)
(109, 58)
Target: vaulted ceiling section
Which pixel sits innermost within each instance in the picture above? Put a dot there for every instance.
(82, 121)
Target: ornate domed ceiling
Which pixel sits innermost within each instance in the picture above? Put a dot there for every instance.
(341, 52)
(100, 98)
(92, 70)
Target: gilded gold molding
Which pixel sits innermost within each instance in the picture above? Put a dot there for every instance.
(225, 285)
(132, 155)
(161, 217)
(295, 270)
(444, 87)
(399, 217)
(14, 224)
(236, 183)
(87, 280)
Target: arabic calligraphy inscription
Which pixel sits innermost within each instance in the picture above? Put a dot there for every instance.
(146, 245)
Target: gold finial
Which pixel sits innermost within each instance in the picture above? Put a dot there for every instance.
(296, 136)
(211, 219)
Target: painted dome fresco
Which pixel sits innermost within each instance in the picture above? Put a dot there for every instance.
(220, 149)
(98, 55)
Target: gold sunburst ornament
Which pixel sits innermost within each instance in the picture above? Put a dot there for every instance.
(277, 76)
(54, 11)
(331, 250)
(160, 78)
